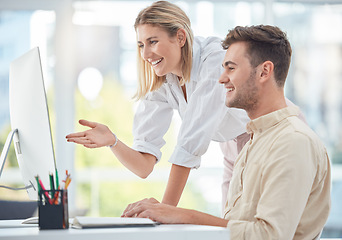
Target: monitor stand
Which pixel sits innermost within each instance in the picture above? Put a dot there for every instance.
(5, 152)
(6, 149)
(3, 158)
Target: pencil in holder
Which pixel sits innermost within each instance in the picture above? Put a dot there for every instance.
(53, 209)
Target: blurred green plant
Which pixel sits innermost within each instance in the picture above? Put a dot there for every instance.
(111, 108)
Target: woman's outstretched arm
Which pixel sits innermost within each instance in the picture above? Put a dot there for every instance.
(99, 135)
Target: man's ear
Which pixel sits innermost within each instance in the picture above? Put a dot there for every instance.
(266, 71)
(181, 37)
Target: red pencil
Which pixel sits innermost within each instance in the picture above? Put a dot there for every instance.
(43, 188)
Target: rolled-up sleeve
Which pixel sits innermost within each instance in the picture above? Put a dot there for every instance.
(200, 121)
(151, 121)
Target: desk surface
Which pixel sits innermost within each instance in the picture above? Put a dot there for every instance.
(13, 229)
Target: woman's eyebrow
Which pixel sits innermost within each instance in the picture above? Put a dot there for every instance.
(148, 39)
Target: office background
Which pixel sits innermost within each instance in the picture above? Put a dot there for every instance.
(89, 62)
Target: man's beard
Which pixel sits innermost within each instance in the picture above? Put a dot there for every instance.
(247, 98)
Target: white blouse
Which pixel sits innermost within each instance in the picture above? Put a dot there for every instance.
(204, 115)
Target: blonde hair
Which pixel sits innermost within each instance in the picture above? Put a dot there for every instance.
(171, 18)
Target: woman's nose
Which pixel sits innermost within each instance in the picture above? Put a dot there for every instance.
(145, 53)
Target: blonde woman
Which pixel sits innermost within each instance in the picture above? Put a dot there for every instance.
(176, 72)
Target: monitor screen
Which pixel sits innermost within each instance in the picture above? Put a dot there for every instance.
(29, 114)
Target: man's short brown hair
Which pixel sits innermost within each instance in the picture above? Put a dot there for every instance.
(265, 43)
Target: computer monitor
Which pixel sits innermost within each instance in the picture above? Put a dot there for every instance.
(29, 115)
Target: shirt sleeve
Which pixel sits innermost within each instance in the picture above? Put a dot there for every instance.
(151, 121)
(206, 108)
(287, 178)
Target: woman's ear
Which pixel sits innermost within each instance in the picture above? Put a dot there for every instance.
(266, 71)
(181, 37)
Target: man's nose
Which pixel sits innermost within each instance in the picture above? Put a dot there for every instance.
(223, 78)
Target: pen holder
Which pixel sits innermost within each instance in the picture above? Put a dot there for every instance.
(53, 209)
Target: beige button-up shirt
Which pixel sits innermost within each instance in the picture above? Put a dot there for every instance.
(281, 181)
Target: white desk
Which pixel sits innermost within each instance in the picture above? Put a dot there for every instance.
(12, 229)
